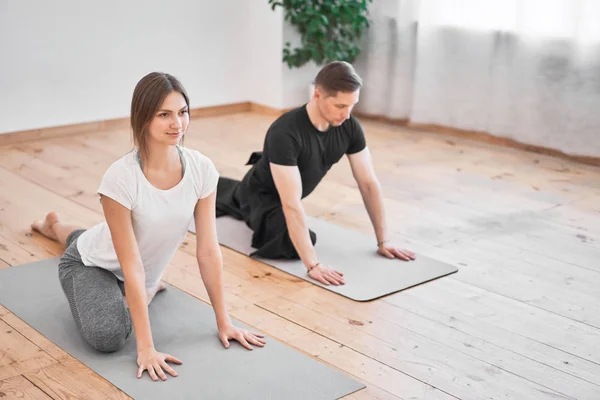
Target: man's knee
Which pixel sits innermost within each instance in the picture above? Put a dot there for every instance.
(288, 239)
(289, 247)
(313, 237)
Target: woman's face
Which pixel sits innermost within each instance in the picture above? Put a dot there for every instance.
(170, 121)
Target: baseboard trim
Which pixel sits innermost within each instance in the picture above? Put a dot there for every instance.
(110, 124)
(380, 118)
(234, 108)
(62, 131)
(268, 110)
(215, 111)
(483, 137)
(265, 110)
(486, 137)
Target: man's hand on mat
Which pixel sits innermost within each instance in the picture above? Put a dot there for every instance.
(156, 364)
(327, 275)
(242, 336)
(390, 251)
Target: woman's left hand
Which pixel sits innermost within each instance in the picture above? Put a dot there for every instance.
(241, 335)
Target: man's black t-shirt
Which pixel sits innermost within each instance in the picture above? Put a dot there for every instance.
(293, 140)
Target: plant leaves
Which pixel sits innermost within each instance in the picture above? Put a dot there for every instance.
(329, 29)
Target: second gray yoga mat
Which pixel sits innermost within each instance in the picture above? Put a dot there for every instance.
(183, 326)
(368, 275)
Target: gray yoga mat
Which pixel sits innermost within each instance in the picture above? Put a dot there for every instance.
(184, 327)
(368, 275)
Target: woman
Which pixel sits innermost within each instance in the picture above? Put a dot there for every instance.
(149, 197)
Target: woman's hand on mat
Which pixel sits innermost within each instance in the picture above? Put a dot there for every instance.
(326, 275)
(390, 251)
(156, 364)
(241, 335)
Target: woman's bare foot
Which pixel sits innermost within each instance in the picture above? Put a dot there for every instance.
(161, 286)
(150, 294)
(44, 226)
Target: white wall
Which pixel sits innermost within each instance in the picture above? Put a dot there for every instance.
(295, 81)
(69, 62)
(264, 45)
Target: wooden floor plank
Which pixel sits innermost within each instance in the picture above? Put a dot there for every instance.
(66, 182)
(453, 316)
(491, 272)
(14, 254)
(371, 393)
(367, 369)
(572, 251)
(33, 336)
(397, 327)
(19, 387)
(73, 380)
(538, 267)
(18, 355)
(449, 370)
(28, 201)
(512, 320)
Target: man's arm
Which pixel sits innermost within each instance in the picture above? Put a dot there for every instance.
(289, 187)
(370, 190)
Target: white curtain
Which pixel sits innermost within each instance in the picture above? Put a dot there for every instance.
(523, 69)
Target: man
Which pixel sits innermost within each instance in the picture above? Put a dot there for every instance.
(299, 148)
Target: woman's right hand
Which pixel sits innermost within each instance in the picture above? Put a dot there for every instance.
(326, 275)
(156, 364)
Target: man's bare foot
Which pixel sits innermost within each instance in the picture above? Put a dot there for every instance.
(44, 226)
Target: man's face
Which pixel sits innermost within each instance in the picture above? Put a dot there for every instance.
(336, 109)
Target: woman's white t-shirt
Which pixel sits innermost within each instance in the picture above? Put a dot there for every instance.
(161, 218)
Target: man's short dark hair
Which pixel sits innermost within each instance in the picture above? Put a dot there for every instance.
(338, 76)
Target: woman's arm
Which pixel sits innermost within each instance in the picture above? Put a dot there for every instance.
(210, 259)
(121, 229)
(120, 225)
(210, 263)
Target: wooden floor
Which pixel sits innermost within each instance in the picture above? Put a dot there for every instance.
(520, 320)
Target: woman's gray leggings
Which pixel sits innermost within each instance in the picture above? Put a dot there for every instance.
(95, 296)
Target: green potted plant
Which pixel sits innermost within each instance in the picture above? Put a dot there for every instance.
(329, 30)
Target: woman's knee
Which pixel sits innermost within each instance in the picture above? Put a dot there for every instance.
(109, 336)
